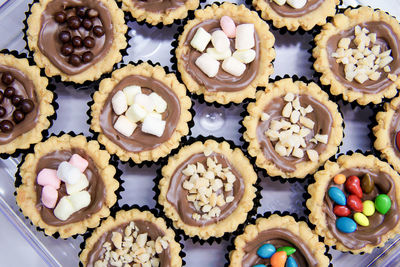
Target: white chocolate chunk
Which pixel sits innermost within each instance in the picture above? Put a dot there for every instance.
(220, 41)
(159, 102)
(289, 97)
(130, 92)
(233, 66)
(322, 138)
(119, 103)
(79, 200)
(68, 173)
(245, 56)
(280, 149)
(280, 2)
(297, 3)
(153, 126)
(287, 110)
(136, 113)
(208, 65)
(296, 103)
(244, 37)
(294, 117)
(124, 126)
(79, 186)
(155, 115)
(64, 209)
(145, 102)
(200, 39)
(219, 55)
(265, 116)
(307, 122)
(298, 153)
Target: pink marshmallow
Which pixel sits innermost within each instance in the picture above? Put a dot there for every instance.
(228, 26)
(49, 196)
(79, 162)
(48, 177)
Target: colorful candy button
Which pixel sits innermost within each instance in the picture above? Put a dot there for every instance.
(289, 250)
(339, 179)
(291, 262)
(266, 251)
(368, 208)
(259, 265)
(341, 211)
(367, 184)
(279, 259)
(353, 186)
(354, 203)
(346, 225)
(361, 219)
(337, 196)
(383, 203)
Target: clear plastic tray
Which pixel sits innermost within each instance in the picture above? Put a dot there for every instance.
(154, 44)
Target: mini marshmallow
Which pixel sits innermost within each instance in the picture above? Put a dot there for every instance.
(219, 55)
(233, 66)
(119, 103)
(136, 113)
(145, 102)
(244, 37)
(160, 104)
(79, 186)
(48, 177)
(154, 126)
(79, 162)
(228, 26)
(64, 209)
(79, 200)
(68, 173)
(49, 196)
(297, 3)
(280, 2)
(130, 93)
(155, 115)
(200, 39)
(124, 126)
(245, 56)
(220, 41)
(208, 65)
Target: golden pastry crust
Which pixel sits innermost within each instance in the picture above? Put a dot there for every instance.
(123, 217)
(94, 72)
(287, 223)
(154, 18)
(242, 165)
(26, 192)
(146, 70)
(318, 191)
(44, 98)
(280, 89)
(306, 22)
(340, 22)
(266, 56)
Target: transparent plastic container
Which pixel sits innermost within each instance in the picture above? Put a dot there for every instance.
(154, 44)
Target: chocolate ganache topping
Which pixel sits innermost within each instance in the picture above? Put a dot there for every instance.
(323, 122)
(279, 238)
(19, 109)
(96, 187)
(222, 82)
(140, 141)
(386, 39)
(290, 12)
(144, 227)
(177, 195)
(394, 128)
(75, 34)
(158, 6)
(379, 224)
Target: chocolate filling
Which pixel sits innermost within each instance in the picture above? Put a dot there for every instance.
(223, 81)
(379, 224)
(96, 187)
(24, 87)
(177, 195)
(158, 6)
(323, 124)
(287, 11)
(50, 45)
(144, 227)
(394, 128)
(140, 141)
(386, 39)
(279, 238)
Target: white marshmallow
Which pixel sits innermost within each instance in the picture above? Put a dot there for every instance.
(233, 66)
(219, 55)
(136, 113)
(297, 3)
(160, 104)
(119, 103)
(79, 186)
(154, 126)
(155, 115)
(130, 93)
(220, 41)
(245, 56)
(68, 173)
(280, 2)
(145, 102)
(208, 65)
(124, 126)
(200, 39)
(79, 200)
(64, 209)
(244, 37)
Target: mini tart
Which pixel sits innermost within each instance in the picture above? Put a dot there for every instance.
(313, 13)
(141, 146)
(320, 205)
(173, 196)
(278, 231)
(387, 29)
(44, 41)
(164, 12)
(100, 173)
(328, 121)
(30, 85)
(144, 220)
(225, 88)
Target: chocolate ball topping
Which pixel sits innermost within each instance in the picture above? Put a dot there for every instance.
(67, 49)
(92, 13)
(2, 112)
(6, 126)
(81, 11)
(89, 42)
(64, 36)
(87, 24)
(74, 22)
(1, 97)
(87, 57)
(27, 106)
(77, 41)
(9, 92)
(60, 17)
(16, 100)
(75, 60)
(98, 31)
(18, 116)
(7, 78)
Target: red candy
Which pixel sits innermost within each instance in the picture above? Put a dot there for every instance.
(398, 140)
(353, 186)
(354, 203)
(341, 211)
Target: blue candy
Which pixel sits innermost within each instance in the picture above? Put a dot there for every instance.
(337, 196)
(266, 251)
(291, 262)
(259, 265)
(346, 225)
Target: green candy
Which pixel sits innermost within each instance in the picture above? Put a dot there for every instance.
(289, 250)
(383, 203)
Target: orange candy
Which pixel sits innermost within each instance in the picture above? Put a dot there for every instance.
(279, 259)
(339, 179)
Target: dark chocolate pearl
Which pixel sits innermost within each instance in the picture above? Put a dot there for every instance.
(60, 17)
(67, 49)
(98, 31)
(77, 41)
(92, 13)
(16, 100)
(64, 36)
(18, 116)
(75, 60)
(6, 126)
(87, 24)
(7, 78)
(89, 42)
(2, 112)
(1, 97)
(74, 22)
(27, 106)
(9, 92)
(87, 57)
(81, 11)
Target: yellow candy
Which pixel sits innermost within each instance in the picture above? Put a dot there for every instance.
(361, 219)
(368, 208)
